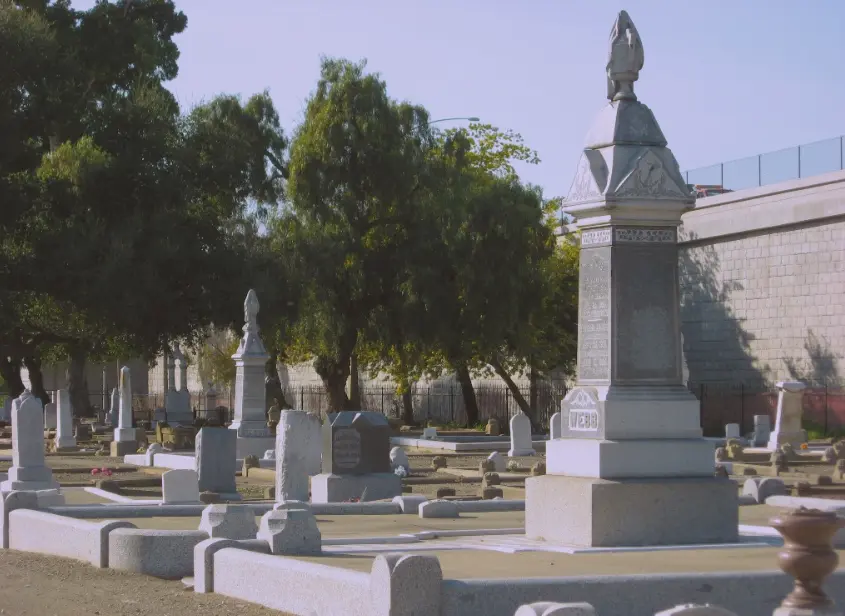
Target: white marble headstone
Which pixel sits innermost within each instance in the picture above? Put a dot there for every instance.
(50, 416)
(28, 470)
(790, 410)
(64, 421)
(180, 486)
(298, 436)
(555, 427)
(520, 436)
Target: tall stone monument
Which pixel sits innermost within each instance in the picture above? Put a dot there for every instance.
(29, 470)
(124, 442)
(65, 441)
(788, 420)
(254, 436)
(114, 409)
(631, 467)
(178, 400)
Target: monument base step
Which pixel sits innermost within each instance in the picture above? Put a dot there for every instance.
(118, 449)
(587, 512)
(329, 488)
(28, 486)
(254, 446)
(575, 457)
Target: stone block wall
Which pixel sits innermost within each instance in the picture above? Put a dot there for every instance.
(765, 306)
(762, 276)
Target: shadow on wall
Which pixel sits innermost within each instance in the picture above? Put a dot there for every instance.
(820, 367)
(824, 398)
(717, 348)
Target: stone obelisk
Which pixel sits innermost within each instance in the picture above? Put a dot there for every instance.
(250, 421)
(631, 467)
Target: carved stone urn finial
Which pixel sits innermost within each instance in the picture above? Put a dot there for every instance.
(625, 59)
(809, 557)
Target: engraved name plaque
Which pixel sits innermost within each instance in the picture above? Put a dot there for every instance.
(347, 448)
(581, 414)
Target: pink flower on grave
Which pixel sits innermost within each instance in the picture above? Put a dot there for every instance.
(105, 471)
(95, 471)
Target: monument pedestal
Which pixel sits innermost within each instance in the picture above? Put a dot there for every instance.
(645, 458)
(331, 488)
(118, 449)
(588, 512)
(29, 478)
(253, 446)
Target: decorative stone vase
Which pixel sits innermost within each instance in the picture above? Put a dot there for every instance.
(808, 556)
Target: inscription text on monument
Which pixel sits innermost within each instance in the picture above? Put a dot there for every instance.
(594, 315)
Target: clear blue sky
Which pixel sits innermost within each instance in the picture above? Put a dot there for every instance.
(725, 78)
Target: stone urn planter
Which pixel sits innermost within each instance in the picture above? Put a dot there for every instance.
(808, 556)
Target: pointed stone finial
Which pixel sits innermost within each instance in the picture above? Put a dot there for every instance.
(251, 312)
(625, 59)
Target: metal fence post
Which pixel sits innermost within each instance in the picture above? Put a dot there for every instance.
(722, 175)
(759, 170)
(741, 408)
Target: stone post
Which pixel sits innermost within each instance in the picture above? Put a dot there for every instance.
(298, 443)
(630, 429)
(64, 424)
(114, 409)
(124, 435)
(809, 557)
(789, 413)
(250, 422)
(28, 470)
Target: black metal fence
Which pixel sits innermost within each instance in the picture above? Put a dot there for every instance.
(721, 403)
(724, 403)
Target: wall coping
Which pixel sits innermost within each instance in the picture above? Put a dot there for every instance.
(789, 203)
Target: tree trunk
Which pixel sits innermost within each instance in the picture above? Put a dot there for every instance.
(354, 383)
(76, 384)
(36, 379)
(10, 371)
(272, 383)
(468, 392)
(407, 403)
(533, 378)
(334, 372)
(517, 395)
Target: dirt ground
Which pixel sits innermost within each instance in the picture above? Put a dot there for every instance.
(35, 585)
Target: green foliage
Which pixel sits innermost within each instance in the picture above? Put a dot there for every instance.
(214, 358)
(357, 172)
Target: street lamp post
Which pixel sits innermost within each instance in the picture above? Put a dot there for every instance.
(470, 119)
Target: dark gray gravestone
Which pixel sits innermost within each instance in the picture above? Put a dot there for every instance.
(216, 464)
(356, 443)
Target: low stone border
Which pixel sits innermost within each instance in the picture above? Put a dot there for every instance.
(488, 446)
(824, 504)
(160, 553)
(46, 533)
(398, 584)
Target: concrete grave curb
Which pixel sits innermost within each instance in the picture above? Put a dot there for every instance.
(160, 553)
(46, 533)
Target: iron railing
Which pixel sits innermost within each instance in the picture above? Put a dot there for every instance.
(721, 403)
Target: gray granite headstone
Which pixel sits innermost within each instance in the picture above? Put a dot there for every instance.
(356, 443)
(216, 463)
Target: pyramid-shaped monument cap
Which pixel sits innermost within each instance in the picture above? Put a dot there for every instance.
(625, 163)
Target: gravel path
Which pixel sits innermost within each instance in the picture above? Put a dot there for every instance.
(35, 585)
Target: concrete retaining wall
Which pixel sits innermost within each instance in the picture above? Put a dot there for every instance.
(291, 585)
(46, 533)
(160, 553)
(749, 594)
